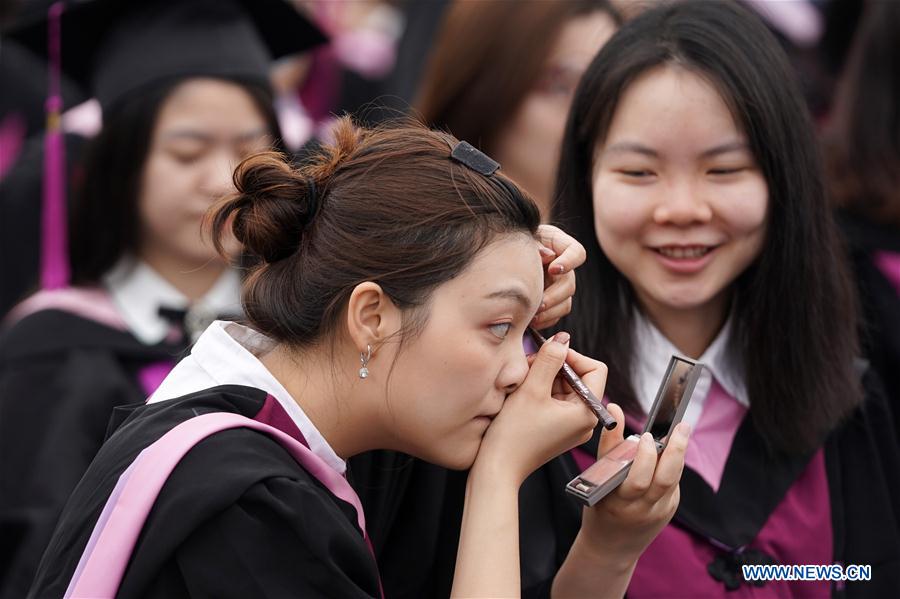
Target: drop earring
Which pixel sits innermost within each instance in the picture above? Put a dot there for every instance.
(364, 360)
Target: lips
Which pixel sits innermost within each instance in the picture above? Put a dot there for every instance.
(684, 259)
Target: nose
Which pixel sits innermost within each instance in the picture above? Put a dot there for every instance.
(684, 204)
(514, 370)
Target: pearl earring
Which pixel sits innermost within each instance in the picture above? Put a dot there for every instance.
(364, 360)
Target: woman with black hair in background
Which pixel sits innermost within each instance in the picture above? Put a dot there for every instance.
(180, 109)
(690, 173)
(862, 148)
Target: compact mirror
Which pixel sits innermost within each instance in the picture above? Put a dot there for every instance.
(668, 409)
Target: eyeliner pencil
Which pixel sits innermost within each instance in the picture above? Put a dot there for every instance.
(599, 410)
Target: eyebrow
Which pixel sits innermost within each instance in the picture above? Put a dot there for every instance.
(731, 146)
(206, 138)
(511, 293)
(623, 147)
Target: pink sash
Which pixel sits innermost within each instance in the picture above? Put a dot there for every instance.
(108, 551)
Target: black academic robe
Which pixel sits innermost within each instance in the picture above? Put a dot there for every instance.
(238, 517)
(414, 509)
(61, 375)
(880, 326)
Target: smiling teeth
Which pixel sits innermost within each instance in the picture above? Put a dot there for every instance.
(680, 253)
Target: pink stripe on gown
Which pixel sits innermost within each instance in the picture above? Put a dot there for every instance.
(91, 303)
(889, 264)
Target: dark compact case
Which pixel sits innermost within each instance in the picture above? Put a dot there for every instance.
(609, 471)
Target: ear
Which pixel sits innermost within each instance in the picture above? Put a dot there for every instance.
(372, 316)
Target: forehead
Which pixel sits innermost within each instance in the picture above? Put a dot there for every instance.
(675, 106)
(509, 263)
(581, 37)
(211, 104)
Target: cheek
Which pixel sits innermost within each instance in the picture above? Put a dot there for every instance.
(745, 207)
(161, 189)
(618, 211)
(449, 381)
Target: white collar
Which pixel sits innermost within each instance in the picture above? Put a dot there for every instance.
(138, 292)
(228, 353)
(652, 353)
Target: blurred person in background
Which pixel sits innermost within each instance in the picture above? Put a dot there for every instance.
(862, 147)
(502, 74)
(185, 95)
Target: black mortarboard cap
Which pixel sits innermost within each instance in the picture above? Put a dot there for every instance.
(115, 47)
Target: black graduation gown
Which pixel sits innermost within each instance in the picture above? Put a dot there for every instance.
(880, 326)
(61, 375)
(238, 517)
(414, 509)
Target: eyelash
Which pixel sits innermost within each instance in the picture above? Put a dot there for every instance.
(725, 171)
(640, 174)
(508, 326)
(186, 158)
(637, 174)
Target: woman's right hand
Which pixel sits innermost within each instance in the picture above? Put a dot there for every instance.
(543, 417)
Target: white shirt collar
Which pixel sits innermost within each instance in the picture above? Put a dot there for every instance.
(138, 292)
(652, 353)
(227, 353)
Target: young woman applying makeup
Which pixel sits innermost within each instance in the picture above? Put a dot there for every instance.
(690, 173)
(392, 324)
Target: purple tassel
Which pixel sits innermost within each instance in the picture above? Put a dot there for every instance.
(54, 227)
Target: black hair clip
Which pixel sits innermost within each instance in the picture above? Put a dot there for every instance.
(467, 154)
(470, 156)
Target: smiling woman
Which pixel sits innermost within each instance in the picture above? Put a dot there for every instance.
(689, 171)
(679, 203)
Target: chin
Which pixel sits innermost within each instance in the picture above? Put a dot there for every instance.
(455, 460)
(683, 299)
(202, 256)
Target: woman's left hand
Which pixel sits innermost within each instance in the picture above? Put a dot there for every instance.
(561, 255)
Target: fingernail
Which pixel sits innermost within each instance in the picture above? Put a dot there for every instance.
(562, 338)
(647, 440)
(683, 430)
(542, 307)
(560, 269)
(545, 251)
